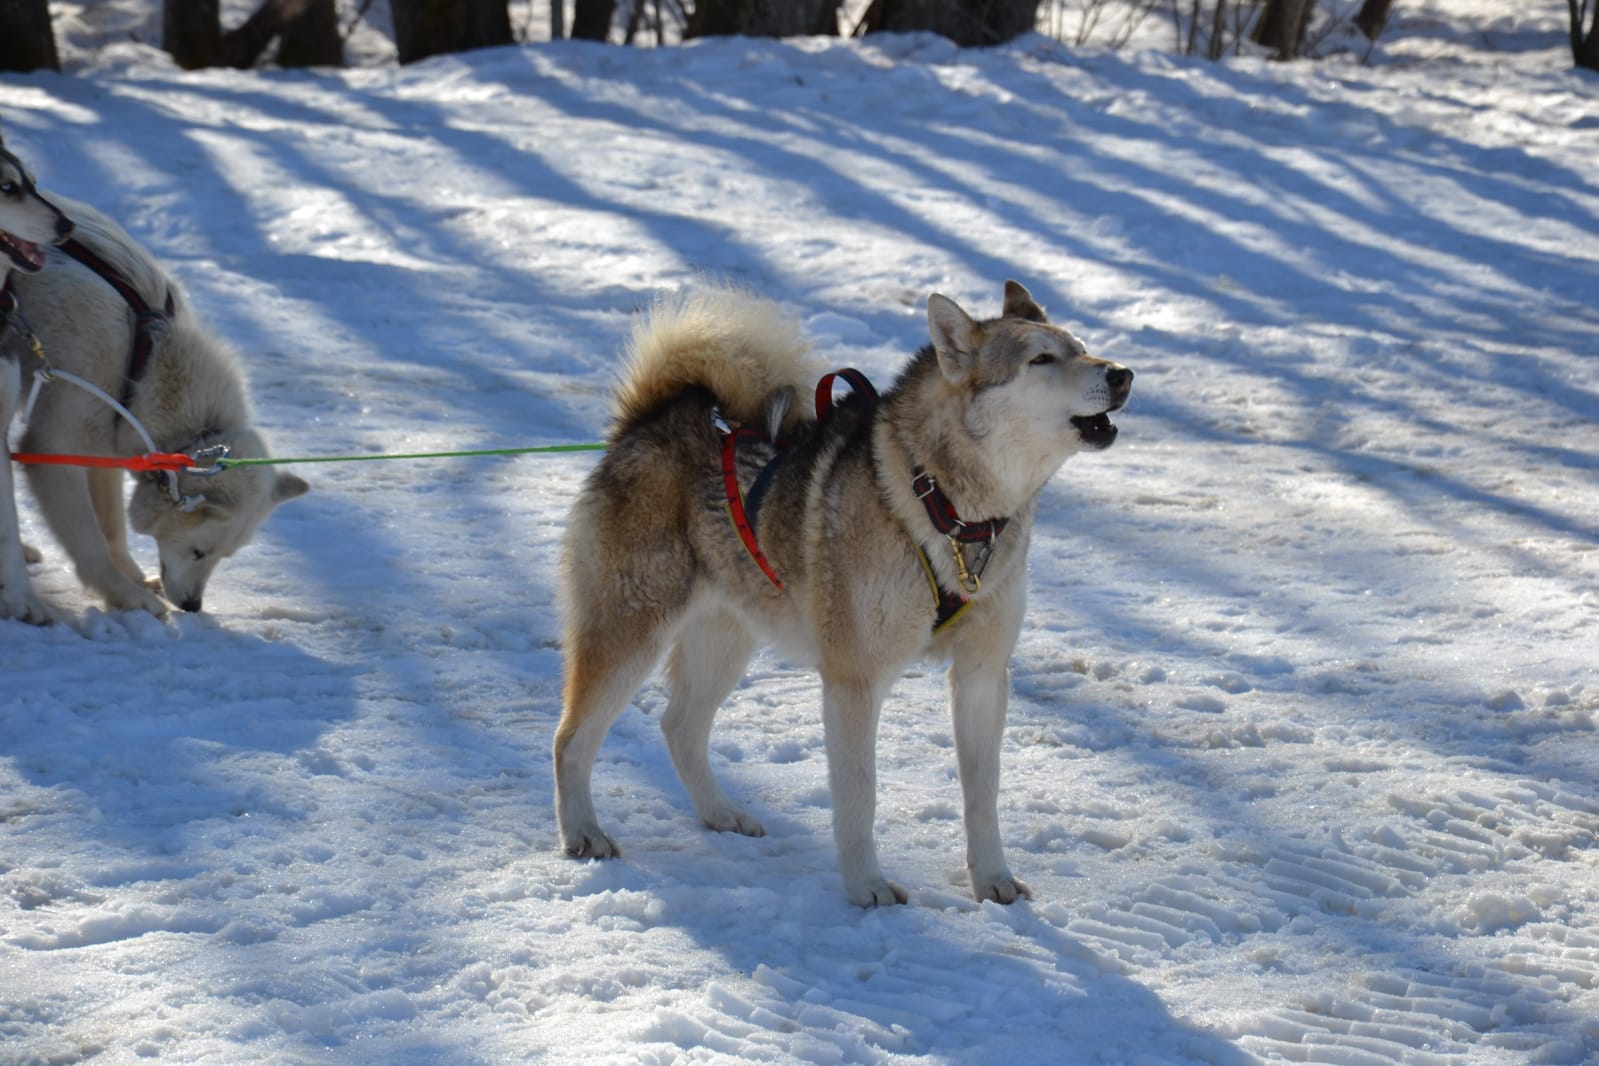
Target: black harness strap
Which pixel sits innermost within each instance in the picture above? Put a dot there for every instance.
(145, 317)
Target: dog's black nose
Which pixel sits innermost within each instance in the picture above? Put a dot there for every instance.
(192, 606)
(1119, 378)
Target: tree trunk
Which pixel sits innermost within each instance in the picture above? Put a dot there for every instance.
(761, 18)
(424, 28)
(1372, 18)
(591, 19)
(28, 42)
(1282, 27)
(191, 32)
(1584, 40)
(969, 23)
(313, 40)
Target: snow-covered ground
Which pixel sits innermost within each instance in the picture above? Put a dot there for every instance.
(1302, 762)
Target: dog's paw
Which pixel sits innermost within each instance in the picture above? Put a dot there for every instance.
(1002, 888)
(733, 820)
(130, 597)
(24, 607)
(877, 893)
(592, 843)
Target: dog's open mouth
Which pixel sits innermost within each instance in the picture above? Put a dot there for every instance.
(1096, 431)
(25, 254)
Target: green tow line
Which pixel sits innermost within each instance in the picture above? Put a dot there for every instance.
(548, 449)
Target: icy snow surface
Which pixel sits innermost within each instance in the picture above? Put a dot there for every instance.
(1302, 761)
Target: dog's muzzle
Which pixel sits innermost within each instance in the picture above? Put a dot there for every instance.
(1098, 431)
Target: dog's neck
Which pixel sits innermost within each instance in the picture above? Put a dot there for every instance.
(921, 437)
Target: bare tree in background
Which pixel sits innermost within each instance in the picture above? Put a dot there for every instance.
(591, 19)
(424, 28)
(1373, 17)
(28, 42)
(1282, 27)
(969, 23)
(307, 32)
(1584, 33)
(1214, 31)
(763, 18)
(1091, 16)
(191, 32)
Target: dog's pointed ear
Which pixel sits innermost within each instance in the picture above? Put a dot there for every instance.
(287, 487)
(1019, 303)
(954, 337)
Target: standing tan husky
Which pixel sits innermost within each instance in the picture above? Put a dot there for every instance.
(28, 221)
(104, 311)
(876, 533)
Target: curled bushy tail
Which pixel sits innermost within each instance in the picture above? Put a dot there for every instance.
(741, 347)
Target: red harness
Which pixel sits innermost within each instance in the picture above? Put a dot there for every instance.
(735, 498)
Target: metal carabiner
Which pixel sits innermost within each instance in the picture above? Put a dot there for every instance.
(215, 453)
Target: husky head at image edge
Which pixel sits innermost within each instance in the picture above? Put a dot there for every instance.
(27, 220)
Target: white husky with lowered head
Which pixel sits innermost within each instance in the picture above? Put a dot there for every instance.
(875, 533)
(187, 390)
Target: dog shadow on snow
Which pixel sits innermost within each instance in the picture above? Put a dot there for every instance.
(144, 734)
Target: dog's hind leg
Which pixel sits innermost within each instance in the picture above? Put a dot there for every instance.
(707, 663)
(605, 665)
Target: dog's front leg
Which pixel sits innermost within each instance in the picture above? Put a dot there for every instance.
(979, 684)
(17, 599)
(849, 719)
(62, 493)
(110, 507)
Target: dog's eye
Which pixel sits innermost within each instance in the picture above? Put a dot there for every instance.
(10, 188)
(199, 555)
(1042, 359)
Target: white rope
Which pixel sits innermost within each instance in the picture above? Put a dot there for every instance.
(49, 373)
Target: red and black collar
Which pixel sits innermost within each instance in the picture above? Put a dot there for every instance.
(946, 519)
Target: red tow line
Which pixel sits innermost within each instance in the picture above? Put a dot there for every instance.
(150, 461)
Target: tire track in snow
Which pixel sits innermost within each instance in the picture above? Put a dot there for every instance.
(1445, 986)
(1470, 994)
